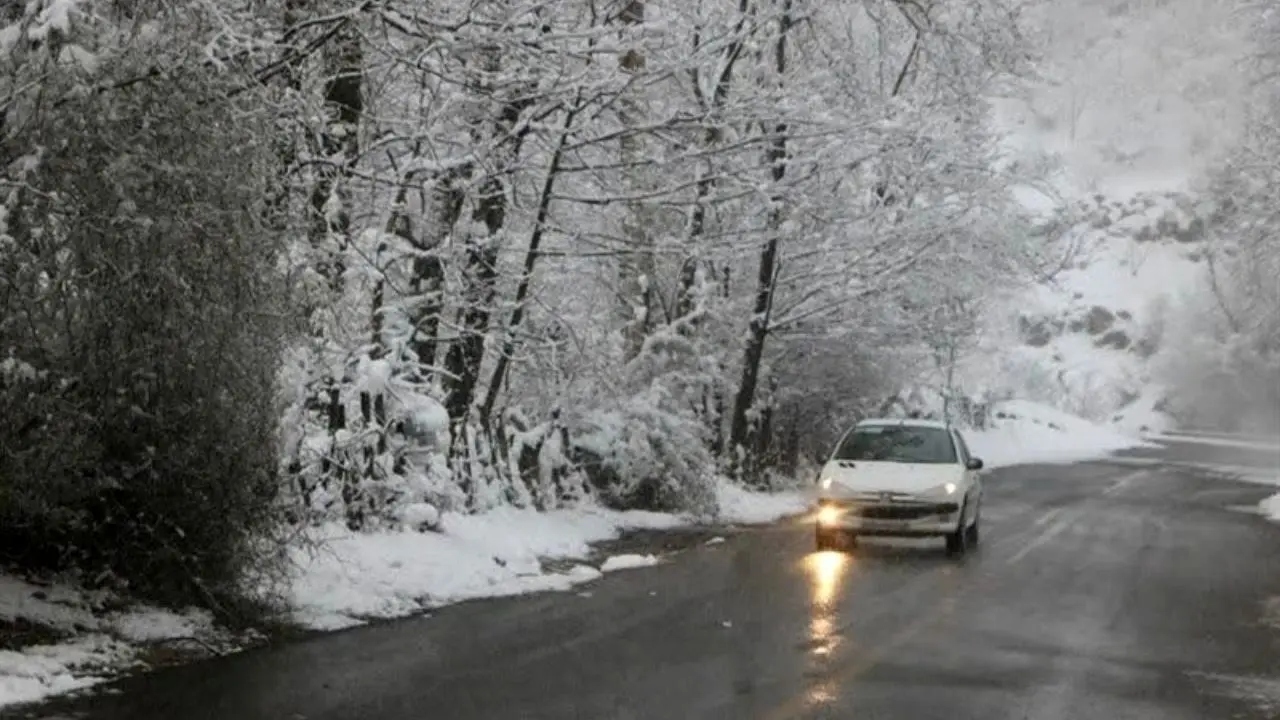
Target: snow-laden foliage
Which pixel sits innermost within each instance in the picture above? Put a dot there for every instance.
(1134, 96)
(597, 237)
(1229, 372)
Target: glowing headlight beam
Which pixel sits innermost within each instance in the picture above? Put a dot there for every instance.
(828, 515)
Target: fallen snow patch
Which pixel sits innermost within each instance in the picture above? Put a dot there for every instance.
(40, 671)
(1270, 508)
(58, 607)
(1231, 442)
(146, 625)
(98, 645)
(627, 562)
(738, 505)
(1261, 692)
(356, 577)
(1023, 433)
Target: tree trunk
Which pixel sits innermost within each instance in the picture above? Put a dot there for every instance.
(426, 282)
(712, 108)
(766, 278)
(526, 279)
(330, 227)
(340, 138)
(636, 263)
(479, 274)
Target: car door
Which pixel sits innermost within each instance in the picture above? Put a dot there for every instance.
(973, 478)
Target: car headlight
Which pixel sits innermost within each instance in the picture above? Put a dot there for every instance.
(946, 490)
(828, 515)
(825, 483)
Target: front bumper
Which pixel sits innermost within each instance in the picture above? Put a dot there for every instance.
(897, 517)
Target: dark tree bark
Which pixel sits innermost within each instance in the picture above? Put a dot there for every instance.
(329, 233)
(712, 108)
(426, 282)
(766, 278)
(479, 270)
(636, 263)
(526, 279)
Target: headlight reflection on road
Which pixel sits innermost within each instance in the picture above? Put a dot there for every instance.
(827, 571)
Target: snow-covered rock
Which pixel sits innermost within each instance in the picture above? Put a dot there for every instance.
(1090, 340)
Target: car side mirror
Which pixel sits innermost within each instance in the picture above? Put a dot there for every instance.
(974, 464)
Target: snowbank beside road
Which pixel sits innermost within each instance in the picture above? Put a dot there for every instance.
(40, 671)
(346, 580)
(1270, 507)
(82, 641)
(357, 577)
(1023, 433)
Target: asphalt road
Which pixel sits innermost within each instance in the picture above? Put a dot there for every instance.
(1101, 591)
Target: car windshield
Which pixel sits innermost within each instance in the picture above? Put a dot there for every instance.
(897, 443)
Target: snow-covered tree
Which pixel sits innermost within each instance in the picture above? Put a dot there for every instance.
(1226, 371)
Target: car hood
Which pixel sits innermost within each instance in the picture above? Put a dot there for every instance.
(857, 477)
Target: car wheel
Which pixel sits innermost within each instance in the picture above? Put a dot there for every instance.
(972, 533)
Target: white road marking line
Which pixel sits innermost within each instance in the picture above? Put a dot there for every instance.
(1124, 481)
(1040, 521)
(1050, 533)
(1058, 520)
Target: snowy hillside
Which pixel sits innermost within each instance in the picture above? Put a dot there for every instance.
(1087, 339)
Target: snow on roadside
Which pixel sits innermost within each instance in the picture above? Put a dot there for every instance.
(347, 580)
(738, 505)
(88, 642)
(1258, 443)
(40, 671)
(357, 577)
(1270, 507)
(628, 562)
(147, 625)
(1025, 432)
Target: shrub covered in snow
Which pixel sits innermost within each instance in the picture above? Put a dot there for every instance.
(640, 456)
(139, 331)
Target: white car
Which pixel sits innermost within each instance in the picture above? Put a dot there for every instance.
(911, 478)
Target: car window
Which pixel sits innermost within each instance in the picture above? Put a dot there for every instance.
(897, 443)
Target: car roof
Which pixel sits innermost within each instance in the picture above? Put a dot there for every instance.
(905, 422)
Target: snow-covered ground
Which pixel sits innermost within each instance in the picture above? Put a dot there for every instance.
(1025, 432)
(356, 577)
(88, 641)
(1270, 507)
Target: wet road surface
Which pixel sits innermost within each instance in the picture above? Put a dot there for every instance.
(1106, 591)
